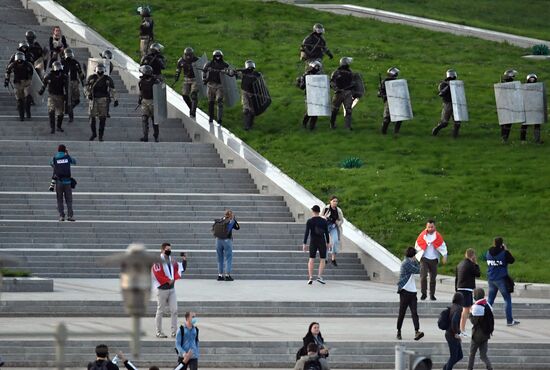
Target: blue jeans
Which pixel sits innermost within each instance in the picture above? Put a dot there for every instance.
(500, 285)
(334, 238)
(455, 349)
(224, 249)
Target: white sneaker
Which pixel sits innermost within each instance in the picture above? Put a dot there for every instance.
(513, 323)
(464, 334)
(320, 280)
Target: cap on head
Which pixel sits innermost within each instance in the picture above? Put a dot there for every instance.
(100, 68)
(393, 72)
(217, 53)
(345, 61)
(19, 56)
(107, 54)
(57, 66)
(69, 53)
(315, 65)
(531, 77)
(30, 36)
(451, 74)
(318, 28)
(316, 209)
(249, 64)
(146, 70)
(188, 51)
(156, 47)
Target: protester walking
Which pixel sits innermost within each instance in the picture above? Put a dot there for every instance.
(483, 323)
(406, 288)
(61, 164)
(223, 231)
(465, 283)
(187, 343)
(431, 247)
(452, 334)
(498, 258)
(335, 218)
(317, 227)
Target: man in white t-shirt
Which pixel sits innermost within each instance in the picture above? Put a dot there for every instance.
(430, 246)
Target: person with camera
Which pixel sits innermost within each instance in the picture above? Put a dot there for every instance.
(165, 275)
(61, 164)
(223, 231)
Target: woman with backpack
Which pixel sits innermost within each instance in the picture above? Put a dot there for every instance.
(223, 231)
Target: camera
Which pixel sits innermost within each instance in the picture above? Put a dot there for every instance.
(52, 184)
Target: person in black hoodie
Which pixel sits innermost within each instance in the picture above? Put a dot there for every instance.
(452, 334)
(313, 336)
(465, 282)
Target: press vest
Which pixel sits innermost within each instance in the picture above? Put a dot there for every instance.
(497, 268)
(62, 167)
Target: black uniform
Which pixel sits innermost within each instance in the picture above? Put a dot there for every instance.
(536, 131)
(249, 76)
(301, 82)
(314, 47)
(22, 77)
(447, 109)
(73, 70)
(100, 89)
(146, 35)
(156, 61)
(190, 91)
(146, 84)
(342, 83)
(386, 118)
(212, 78)
(505, 129)
(56, 82)
(29, 56)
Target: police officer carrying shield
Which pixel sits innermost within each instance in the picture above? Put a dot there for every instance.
(392, 74)
(146, 35)
(447, 109)
(342, 83)
(314, 46)
(314, 68)
(508, 76)
(155, 60)
(248, 76)
(146, 82)
(57, 83)
(530, 79)
(73, 70)
(190, 89)
(22, 77)
(213, 81)
(37, 51)
(24, 48)
(100, 90)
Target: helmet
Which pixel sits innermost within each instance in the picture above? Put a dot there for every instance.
(531, 76)
(318, 28)
(107, 54)
(146, 70)
(188, 51)
(509, 74)
(249, 64)
(156, 47)
(69, 53)
(451, 74)
(100, 69)
(19, 56)
(217, 53)
(30, 36)
(345, 61)
(144, 11)
(315, 65)
(57, 66)
(23, 46)
(393, 72)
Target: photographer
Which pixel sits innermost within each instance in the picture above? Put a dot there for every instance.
(61, 164)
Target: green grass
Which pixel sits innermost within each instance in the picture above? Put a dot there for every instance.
(511, 16)
(475, 187)
(14, 273)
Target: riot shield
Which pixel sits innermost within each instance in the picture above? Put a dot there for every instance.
(358, 88)
(534, 101)
(231, 92)
(261, 99)
(458, 98)
(399, 101)
(199, 74)
(36, 85)
(318, 95)
(509, 100)
(93, 62)
(159, 102)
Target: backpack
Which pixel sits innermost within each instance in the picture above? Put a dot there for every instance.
(312, 365)
(219, 228)
(95, 366)
(444, 321)
(488, 322)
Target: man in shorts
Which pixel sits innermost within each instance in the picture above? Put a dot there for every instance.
(317, 228)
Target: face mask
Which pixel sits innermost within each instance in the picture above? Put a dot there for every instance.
(168, 252)
(194, 321)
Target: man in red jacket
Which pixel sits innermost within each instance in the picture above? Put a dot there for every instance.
(165, 275)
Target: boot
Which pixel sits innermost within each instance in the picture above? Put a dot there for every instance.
(145, 126)
(436, 129)
(384, 128)
(333, 116)
(536, 132)
(397, 127)
(523, 133)
(247, 119)
(312, 123)
(211, 111)
(193, 111)
(220, 112)
(59, 123)
(156, 132)
(21, 109)
(347, 121)
(456, 129)
(28, 103)
(51, 115)
(187, 100)
(505, 132)
(93, 127)
(102, 121)
(305, 120)
(71, 113)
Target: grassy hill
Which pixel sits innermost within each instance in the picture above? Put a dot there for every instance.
(516, 17)
(475, 186)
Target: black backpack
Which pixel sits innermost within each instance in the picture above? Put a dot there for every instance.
(488, 322)
(444, 321)
(219, 228)
(312, 365)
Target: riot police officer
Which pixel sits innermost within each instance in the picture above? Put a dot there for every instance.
(146, 82)
(314, 67)
(37, 51)
(24, 48)
(155, 60)
(447, 109)
(508, 76)
(56, 82)
(314, 46)
(392, 74)
(342, 83)
(73, 70)
(213, 80)
(22, 77)
(146, 35)
(100, 90)
(190, 89)
(248, 76)
(531, 78)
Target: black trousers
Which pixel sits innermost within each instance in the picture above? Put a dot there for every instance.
(192, 364)
(407, 300)
(428, 266)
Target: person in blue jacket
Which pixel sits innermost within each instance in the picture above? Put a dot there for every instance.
(187, 343)
(61, 164)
